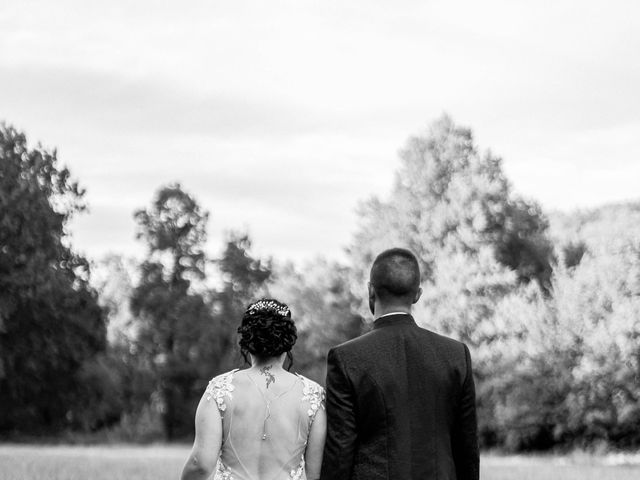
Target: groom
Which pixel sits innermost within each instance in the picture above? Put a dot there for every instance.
(400, 399)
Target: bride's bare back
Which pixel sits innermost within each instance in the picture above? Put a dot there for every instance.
(266, 424)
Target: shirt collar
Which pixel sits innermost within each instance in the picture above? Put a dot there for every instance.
(393, 313)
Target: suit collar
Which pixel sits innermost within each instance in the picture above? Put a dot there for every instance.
(393, 320)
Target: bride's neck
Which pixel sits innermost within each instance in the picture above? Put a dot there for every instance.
(271, 363)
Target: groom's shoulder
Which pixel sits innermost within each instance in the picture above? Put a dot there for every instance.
(363, 342)
(367, 341)
(442, 341)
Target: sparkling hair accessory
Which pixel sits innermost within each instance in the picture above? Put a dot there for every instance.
(267, 305)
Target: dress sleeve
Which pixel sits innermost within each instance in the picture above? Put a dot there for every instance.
(220, 388)
(314, 394)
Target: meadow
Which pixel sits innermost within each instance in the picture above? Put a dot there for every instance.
(162, 462)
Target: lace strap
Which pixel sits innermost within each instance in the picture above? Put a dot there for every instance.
(219, 388)
(314, 394)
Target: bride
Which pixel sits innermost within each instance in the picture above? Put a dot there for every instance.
(260, 423)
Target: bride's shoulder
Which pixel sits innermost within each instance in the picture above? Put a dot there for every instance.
(219, 387)
(312, 392)
(225, 377)
(308, 383)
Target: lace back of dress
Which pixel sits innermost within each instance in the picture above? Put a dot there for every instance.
(265, 431)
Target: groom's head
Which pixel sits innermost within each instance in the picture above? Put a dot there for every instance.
(394, 279)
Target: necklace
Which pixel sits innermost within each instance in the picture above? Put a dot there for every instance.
(266, 417)
(268, 401)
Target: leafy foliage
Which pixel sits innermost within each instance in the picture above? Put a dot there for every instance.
(598, 306)
(50, 322)
(447, 197)
(172, 315)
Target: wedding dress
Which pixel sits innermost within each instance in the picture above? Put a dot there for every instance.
(264, 429)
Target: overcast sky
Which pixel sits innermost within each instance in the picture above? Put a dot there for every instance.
(279, 116)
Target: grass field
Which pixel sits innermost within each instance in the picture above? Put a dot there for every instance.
(22, 462)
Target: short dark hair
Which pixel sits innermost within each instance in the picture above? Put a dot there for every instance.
(395, 275)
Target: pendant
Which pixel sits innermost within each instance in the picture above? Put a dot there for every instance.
(266, 417)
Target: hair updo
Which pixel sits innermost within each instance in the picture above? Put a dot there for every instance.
(267, 330)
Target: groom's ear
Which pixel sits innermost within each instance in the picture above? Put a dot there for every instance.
(418, 295)
(372, 298)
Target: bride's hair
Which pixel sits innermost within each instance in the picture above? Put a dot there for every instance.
(267, 330)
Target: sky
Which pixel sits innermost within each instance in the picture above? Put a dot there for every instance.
(281, 116)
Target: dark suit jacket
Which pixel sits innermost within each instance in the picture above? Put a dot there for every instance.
(400, 406)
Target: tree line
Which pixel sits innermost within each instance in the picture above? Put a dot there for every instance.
(552, 318)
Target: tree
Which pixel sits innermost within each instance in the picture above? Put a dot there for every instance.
(172, 315)
(175, 231)
(448, 197)
(597, 305)
(525, 373)
(50, 321)
(603, 230)
(244, 280)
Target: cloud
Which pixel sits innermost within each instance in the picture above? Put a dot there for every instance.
(281, 115)
(113, 104)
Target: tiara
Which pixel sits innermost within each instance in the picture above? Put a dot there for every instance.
(266, 305)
